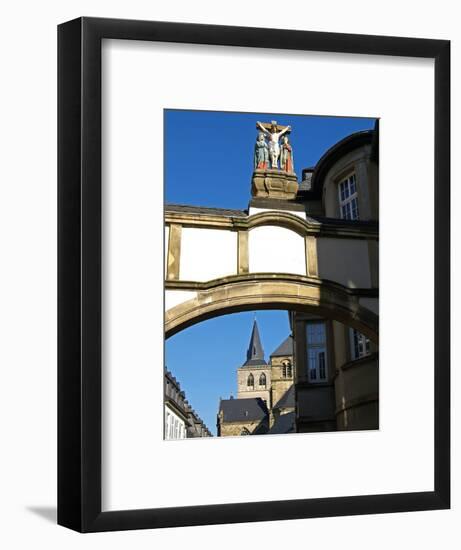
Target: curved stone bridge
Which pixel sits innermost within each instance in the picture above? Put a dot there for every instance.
(219, 261)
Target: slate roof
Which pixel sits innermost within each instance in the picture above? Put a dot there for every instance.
(255, 352)
(241, 410)
(285, 348)
(305, 184)
(284, 424)
(287, 400)
(189, 209)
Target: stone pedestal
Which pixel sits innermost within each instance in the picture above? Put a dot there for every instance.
(274, 184)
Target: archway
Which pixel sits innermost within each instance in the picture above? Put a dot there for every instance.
(270, 291)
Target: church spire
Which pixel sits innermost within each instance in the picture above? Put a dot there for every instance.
(255, 352)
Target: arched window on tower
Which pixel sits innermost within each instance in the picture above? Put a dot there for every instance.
(262, 380)
(250, 381)
(287, 369)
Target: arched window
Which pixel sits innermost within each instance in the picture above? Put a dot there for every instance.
(244, 432)
(262, 380)
(250, 381)
(287, 369)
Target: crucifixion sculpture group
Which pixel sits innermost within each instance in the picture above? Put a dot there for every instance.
(272, 153)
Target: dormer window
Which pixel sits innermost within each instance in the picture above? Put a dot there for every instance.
(348, 200)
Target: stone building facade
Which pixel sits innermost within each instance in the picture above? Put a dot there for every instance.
(265, 398)
(181, 420)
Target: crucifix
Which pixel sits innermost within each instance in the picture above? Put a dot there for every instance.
(274, 132)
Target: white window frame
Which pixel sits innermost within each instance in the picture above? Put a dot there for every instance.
(362, 342)
(348, 198)
(319, 348)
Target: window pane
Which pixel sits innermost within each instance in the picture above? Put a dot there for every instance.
(352, 180)
(355, 209)
(322, 370)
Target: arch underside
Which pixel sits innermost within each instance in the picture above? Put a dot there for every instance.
(271, 291)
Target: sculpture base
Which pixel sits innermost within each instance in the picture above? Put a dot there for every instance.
(274, 184)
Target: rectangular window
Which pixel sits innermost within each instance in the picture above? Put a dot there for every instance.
(167, 425)
(316, 352)
(360, 344)
(348, 201)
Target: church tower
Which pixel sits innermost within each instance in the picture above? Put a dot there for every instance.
(254, 376)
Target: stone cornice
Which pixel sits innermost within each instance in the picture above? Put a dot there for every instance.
(359, 362)
(357, 402)
(270, 277)
(310, 226)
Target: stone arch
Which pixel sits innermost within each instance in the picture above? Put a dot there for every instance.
(272, 291)
(286, 220)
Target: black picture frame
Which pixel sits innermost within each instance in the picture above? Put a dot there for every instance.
(79, 274)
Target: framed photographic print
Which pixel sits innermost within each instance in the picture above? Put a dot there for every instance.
(253, 241)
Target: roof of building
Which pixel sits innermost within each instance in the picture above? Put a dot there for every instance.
(287, 401)
(242, 410)
(342, 147)
(255, 352)
(175, 397)
(285, 348)
(285, 423)
(305, 183)
(205, 210)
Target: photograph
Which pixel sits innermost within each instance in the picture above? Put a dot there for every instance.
(271, 273)
(223, 221)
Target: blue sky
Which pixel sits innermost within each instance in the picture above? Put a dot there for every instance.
(209, 162)
(209, 155)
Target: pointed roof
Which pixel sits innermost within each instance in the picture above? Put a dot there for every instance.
(255, 352)
(285, 348)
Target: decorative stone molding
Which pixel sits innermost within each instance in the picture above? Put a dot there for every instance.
(174, 252)
(242, 253)
(312, 269)
(274, 184)
(322, 227)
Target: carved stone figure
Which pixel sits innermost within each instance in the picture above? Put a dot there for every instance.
(274, 135)
(286, 156)
(261, 157)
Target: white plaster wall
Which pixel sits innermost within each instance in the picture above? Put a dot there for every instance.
(344, 261)
(253, 211)
(175, 297)
(207, 254)
(276, 249)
